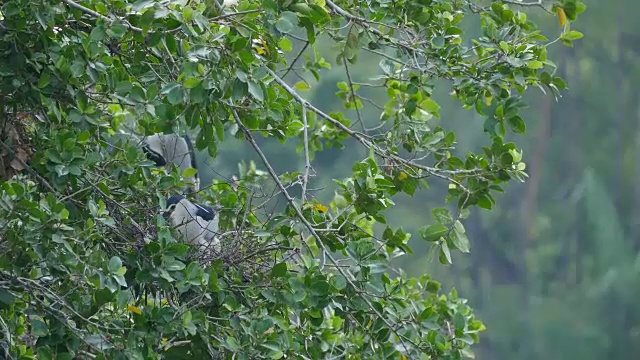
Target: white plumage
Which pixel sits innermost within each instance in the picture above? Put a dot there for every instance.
(169, 149)
(196, 224)
(227, 3)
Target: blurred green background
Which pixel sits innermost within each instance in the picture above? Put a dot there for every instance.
(554, 270)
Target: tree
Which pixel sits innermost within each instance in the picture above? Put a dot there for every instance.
(89, 268)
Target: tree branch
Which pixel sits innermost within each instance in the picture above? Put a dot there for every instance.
(532, 4)
(96, 14)
(307, 162)
(354, 97)
(233, 14)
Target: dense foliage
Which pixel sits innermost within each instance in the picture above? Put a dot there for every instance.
(89, 267)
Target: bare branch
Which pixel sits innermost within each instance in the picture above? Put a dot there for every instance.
(304, 48)
(307, 162)
(538, 3)
(354, 97)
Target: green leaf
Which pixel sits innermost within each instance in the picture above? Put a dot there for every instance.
(458, 321)
(174, 265)
(438, 41)
(39, 328)
(430, 106)
(302, 85)
(484, 202)
(45, 79)
(277, 355)
(114, 264)
(284, 25)
(285, 44)
(445, 254)
(301, 8)
(433, 286)
(98, 341)
(121, 271)
(535, 64)
(190, 172)
(97, 33)
(176, 95)
(6, 297)
(191, 82)
(459, 240)
(255, 90)
(433, 232)
(517, 124)
(279, 270)
(442, 215)
(170, 86)
(232, 343)
(319, 288)
(572, 35)
(339, 282)
(10, 9)
(142, 4)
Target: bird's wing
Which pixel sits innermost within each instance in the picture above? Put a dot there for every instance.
(153, 155)
(205, 212)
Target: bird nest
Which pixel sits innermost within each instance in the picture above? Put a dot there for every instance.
(240, 250)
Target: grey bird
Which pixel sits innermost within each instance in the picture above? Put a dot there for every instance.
(197, 224)
(169, 149)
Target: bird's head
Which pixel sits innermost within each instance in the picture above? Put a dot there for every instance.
(152, 147)
(172, 202)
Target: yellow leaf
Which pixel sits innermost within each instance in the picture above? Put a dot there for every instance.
(402, 175)
(370, 322)
(487, 100)
(321, 208)
(134, 309)
(402, 357)
(562, 17)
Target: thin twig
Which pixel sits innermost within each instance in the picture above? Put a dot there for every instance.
(96, 14)
(307, 162)
(521, 3)
(306, 44)
(354, 97)
(220, 17)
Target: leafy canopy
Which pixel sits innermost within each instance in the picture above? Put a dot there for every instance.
(91, 270)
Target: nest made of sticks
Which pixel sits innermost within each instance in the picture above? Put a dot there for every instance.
(240, 248)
